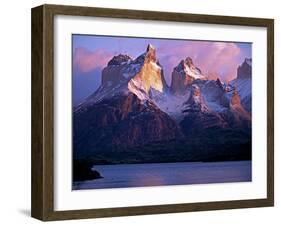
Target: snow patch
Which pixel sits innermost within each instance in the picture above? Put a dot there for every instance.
(136, 87)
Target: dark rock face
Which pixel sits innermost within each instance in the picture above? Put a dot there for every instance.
(219, 84)
(197, 122)
(245, 70)
(121, 122)
(112, 75)
(82, 170)
(180, 81)
(118, 60)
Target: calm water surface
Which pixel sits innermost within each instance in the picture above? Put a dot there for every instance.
(158, 174)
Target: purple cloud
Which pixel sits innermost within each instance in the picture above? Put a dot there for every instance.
(85, 60)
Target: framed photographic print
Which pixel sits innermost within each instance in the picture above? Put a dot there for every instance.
(141, 112)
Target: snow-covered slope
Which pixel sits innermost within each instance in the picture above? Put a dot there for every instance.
(171, 104)
(215, 96)
(195, 102)
(198, 115)
(124, 75)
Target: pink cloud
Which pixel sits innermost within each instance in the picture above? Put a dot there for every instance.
(215, 59)
(85, 60)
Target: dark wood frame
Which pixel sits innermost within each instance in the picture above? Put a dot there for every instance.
(42, 203)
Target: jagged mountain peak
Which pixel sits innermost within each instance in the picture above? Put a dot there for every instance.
(150, 75)
(186, 64)
(219, 83)
(244, 71)
(150, 54)
(248, 61)
(124, 75)
(184, 74)
(119, 59)
(150, 47)
(189, 62)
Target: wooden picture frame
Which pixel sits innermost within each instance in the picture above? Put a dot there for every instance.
(43, 112)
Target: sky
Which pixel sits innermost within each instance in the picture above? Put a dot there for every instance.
(91, 54)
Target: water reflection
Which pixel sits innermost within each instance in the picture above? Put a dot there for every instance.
(139, 175)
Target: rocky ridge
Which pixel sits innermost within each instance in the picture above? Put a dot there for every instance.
(135, 109)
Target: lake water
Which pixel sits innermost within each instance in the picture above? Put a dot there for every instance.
(159, 174)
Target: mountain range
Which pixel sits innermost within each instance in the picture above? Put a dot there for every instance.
(135, 117)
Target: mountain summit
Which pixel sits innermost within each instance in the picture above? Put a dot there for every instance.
(124, 75)
(245, 69)
(183, 75)
(150, 75)
(243, 83)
